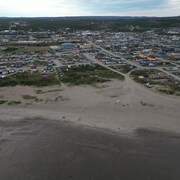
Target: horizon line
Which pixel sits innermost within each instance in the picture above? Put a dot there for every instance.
(139, 16)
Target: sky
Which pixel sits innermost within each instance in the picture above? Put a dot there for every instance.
(55, 8)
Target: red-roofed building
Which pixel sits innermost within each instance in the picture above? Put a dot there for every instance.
(151, 58)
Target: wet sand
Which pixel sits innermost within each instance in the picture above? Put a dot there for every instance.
(41, 149)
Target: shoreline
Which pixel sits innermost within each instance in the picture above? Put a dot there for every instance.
(119, 130)
(40, 148)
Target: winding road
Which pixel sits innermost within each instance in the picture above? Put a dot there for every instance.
(128, 62)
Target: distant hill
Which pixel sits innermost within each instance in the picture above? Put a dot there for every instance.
(114, 23)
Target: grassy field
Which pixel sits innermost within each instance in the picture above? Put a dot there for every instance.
(35, 79)
(26, 49)
(135, 75)
(123, 68)
(88, 75)
(34, 49)
(74, 76)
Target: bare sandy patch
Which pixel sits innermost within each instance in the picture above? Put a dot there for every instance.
(119, 106)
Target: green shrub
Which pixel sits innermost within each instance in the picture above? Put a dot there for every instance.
(28, 97)
(14, 102)
(3, 101)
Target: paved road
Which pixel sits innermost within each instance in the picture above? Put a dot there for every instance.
(57, 63)
(112, 54)
(127, 75)
(169, 73)
(134, 64)
(103, 65)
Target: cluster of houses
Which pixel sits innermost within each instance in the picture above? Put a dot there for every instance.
(160, 75)
(108, 59)
(144, 48)
(44, 62)
(133, 45)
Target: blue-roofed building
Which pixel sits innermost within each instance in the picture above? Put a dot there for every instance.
(53, 53)
(161, 54)
(143, 62)
(29, 57)
(67, 45)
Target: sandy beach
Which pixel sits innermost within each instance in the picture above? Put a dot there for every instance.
(114, 130)
(119, 106)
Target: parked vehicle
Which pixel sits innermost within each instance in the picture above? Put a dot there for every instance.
(148, 85)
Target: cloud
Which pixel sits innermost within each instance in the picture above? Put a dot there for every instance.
(174, 2)
(127, 5)
(88, 7)
(156, 12)
(41, 8)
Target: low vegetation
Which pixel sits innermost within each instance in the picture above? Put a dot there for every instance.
(3, 101)
(10, 49)
(74, 75)
(39, 91)
(177, 74)
(14, 102)
(40, 63)
(9, 102)
(54, 90)
(166, 86)
(28, 97)
(169, 88)
(145, 73)
(146, 104)
(88, 75)
(35, 79)
(124, 68)
(35, 49)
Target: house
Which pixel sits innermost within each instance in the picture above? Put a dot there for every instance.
(176, 57)
(143, 62)
(141, 56)
(160, 75)
(67, 46)
(5, 72)
(161, 54)
(151, 58)
(152, 65)
(87, 46)
(141, 77)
